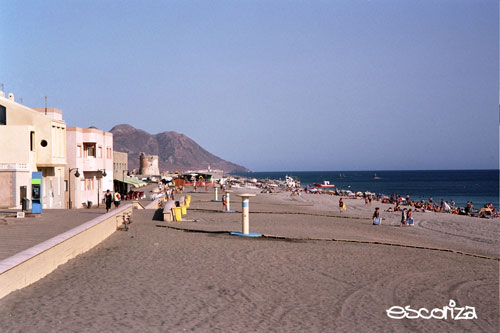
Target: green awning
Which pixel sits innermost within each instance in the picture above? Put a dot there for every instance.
(132, 181)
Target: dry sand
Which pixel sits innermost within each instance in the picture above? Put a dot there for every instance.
(158, 279)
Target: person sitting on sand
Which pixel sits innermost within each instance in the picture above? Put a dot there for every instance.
(404, 217)
(377, 220)
(493, 210)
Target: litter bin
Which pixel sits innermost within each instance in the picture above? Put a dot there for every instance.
(25, 203)
(89, 204)
(177, 214)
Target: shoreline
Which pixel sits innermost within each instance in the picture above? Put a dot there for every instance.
(449, 205)
(363, 181)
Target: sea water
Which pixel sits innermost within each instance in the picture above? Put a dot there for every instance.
(478, 186)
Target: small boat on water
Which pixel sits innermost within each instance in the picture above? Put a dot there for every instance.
(326, 184)
(375, 176)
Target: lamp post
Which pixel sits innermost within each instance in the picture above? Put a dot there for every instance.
(103, 174)
(77, 174)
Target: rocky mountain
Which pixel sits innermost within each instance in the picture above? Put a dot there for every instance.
(175, 151)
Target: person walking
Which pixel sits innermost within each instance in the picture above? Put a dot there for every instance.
(410, 218)
(224, 202)
(117, 199)
(342, 205)
(108, 198)
(404, 217)
(377, 220)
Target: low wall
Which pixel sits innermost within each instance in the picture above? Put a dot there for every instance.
(155, 204)
(29, 266)
(137, 205)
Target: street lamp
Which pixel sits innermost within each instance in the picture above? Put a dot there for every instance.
(103, 174)
(123, 174)
(77, 174)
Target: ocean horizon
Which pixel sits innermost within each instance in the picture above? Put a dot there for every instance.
(480, 186)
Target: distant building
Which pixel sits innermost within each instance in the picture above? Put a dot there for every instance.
(90, 150)
(148, 165)
(120, 165)
(31, 140)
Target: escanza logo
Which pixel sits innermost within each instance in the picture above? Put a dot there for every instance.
(456, 313)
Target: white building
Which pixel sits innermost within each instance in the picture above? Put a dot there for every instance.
(90, 152)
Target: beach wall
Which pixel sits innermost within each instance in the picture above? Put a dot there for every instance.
(155, 204)
(29, 266)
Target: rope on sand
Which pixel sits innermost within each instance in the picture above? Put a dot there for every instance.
(270, 204)
(337, 240)
(287, 213)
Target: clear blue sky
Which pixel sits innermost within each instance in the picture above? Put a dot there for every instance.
(271, 85)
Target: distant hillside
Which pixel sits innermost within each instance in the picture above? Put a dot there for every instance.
(175, 151)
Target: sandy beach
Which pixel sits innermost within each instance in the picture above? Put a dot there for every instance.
(154, 278)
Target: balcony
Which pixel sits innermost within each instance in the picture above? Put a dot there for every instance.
(91, 164)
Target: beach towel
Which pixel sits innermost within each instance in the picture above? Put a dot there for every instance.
(376, 220)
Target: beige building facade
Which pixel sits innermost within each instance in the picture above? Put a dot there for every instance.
(120, 165)
(31, 140)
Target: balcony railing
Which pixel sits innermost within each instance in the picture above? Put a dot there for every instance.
(14, 166)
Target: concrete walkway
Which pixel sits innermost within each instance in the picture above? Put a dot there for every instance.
(17, 235)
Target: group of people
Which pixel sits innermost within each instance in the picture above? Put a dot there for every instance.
(406, 217)
(110, 198)
(406, 214)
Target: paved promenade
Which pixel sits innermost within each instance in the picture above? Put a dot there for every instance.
(17, 235)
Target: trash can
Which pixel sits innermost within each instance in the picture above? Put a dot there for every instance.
(25, 203)
(177, 214)
(89, 204)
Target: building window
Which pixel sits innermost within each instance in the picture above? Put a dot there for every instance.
(3, 115)
(89, 149)
(99, 152)
(78, 151)
(32, 141)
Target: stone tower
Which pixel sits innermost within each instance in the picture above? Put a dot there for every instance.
(148, 165)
